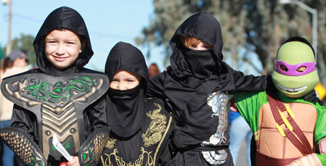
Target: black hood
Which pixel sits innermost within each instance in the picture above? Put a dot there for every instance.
(62, 18)
(126, 109)
(125, 56)
(204, 27)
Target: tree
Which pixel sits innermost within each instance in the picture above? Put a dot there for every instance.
(258, 24)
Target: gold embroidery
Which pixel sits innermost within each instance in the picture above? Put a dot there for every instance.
(119, 161)
(156, 128)
(110, 143)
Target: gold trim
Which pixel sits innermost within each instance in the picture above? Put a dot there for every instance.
(166, 131)
(18, 96)
(94, 89)
(57, 110)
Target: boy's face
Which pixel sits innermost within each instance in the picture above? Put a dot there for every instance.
(124, 80)
(62, 48)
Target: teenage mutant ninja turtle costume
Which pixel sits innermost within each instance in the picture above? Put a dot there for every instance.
(288, 130)
(66, 103)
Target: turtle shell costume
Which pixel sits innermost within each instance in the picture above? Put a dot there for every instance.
(67, 103)
(288, 129)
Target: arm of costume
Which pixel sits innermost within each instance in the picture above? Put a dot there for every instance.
(24, 120)
(23, 146)
(97, 115)
(167, 153)
(248, 82)
(156, 85)
(168, 149)
(248, 104)
(91, 150)
(320, 133)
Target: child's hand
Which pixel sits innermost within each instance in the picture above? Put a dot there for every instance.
(233, 106)
(74, 161)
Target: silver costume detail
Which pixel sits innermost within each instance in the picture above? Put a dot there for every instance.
(218, 101)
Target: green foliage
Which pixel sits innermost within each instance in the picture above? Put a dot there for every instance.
(259, 24)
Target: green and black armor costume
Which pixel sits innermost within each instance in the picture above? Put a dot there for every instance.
(68, 103)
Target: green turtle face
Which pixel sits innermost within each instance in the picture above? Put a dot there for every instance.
(295, 72)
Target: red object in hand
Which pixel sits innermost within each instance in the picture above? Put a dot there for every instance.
(63, 164)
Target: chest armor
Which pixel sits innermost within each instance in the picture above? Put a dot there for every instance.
(269, 140)
(58, 104)
(145, 146)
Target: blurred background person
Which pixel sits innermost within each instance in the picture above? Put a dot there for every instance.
(153, 69)
(12, 64)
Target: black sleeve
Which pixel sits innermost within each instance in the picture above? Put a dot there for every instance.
(249, 82)
(25, 120)
(96, 115)
(156, 86)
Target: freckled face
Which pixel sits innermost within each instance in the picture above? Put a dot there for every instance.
(62, 48)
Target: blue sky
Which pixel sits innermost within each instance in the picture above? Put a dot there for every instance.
(108, 22)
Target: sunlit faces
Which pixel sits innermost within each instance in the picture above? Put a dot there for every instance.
(124, 80)
(62, 48)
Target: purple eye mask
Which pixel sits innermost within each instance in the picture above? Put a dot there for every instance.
(292, 69)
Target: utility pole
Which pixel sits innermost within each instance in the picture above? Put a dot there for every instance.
(9, 44)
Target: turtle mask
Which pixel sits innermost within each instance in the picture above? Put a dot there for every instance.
(295, 70)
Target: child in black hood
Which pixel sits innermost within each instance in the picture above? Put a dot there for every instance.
(60, 98)
(200, 85)
(140, 127)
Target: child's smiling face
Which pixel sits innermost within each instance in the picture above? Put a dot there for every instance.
(62, 48)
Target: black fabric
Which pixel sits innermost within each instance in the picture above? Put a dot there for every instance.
(135, 150)
(201, 63)
(312, 97)
(188, 88)
(126, 109)
(62, 18)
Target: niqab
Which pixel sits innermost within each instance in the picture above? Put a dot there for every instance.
(126, 109)
(62, 18)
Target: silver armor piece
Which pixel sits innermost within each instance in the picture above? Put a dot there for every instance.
(215, 157)
(218, 101)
